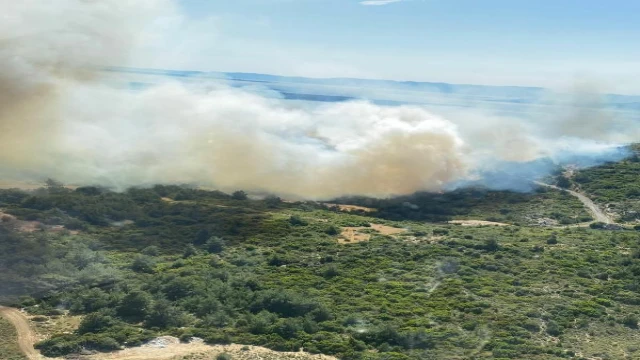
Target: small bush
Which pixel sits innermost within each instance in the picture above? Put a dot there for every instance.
(440, 232)
(330, 271)
(143, 264)
(239, 195)
(215, 245)
(631, 321)
(333, 230)
(553, 329)
(296, 220)
(491, 245)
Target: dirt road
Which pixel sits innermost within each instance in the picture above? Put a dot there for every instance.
(26, 336)
(597, 213)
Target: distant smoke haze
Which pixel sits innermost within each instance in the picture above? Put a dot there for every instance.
(60, 118)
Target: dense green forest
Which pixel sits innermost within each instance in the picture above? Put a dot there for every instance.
(229, 269)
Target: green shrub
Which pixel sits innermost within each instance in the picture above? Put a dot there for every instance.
(333, 230)
(215, 245)
(239, 195)
(143, 264)
(151, 251)
(96, 322)
(631, 321)
(553, 328)
(440, 232)
(296, 220)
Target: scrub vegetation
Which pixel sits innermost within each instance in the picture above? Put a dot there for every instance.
(183, 262)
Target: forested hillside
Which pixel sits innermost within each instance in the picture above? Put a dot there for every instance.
(173, 260)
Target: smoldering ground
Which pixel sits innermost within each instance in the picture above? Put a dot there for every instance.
(60, 118)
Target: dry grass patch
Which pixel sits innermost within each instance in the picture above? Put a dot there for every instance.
(477, 223)
(350, 208)
(356, 234)
(60, 324)
(170, 348)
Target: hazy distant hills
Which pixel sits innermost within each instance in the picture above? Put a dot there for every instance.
(389, 92)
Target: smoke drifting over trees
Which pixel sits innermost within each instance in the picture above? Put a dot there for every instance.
(59, 118)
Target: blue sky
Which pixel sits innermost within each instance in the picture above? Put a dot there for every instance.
(543, 42)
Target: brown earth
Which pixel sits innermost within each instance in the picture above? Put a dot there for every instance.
(350, 208)
(171, 348)
(477, 223)
(19, 185)
(356, 234)
(29, 226)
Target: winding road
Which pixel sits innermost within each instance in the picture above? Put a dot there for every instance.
(26, 336)
(597, 213)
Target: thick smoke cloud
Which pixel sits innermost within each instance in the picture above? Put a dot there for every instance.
(59, 117)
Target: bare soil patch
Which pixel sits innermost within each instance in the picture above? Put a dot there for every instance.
(387, 230)
(356, 234)
(170, 348)
(477, 223)
(351, 234)
(19, 185)
(29, 226)
(19, 225)
(172, 201)
(349, 208)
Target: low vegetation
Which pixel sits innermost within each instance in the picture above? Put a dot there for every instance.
(9, 349)
(189, 263)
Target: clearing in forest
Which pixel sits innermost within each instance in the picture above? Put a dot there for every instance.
(350, 208)
(355, 234)
(477, 223)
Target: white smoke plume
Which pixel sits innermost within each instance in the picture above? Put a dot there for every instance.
(60, 118)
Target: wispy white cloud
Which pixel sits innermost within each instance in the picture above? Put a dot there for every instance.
(378, 2)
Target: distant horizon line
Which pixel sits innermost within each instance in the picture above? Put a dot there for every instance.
(142, 69)
(194, 73)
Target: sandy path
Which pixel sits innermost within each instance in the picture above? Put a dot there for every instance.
(597, 213)
(477, 223)
(26, 335)
(354, 234)
(200, 351)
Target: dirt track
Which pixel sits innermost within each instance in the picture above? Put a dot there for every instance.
(597, 213)
(477, 223)
(173, 349)
(26, 336)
